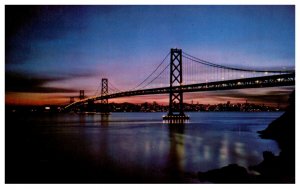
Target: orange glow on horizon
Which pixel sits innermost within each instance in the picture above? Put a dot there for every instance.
(20, 98)
(23, 98)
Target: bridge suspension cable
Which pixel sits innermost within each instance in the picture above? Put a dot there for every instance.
(195, 59)
(113, 87)
(156, 76)
(112, 90)
(97, 89)
(140, 84)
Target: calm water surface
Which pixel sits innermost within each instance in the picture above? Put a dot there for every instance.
(130, 147)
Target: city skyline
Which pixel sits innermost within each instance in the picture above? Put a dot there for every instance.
(52, 52)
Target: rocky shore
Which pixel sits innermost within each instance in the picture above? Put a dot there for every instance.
(273, 169)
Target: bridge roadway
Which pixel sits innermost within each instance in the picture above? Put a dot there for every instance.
(256, 82)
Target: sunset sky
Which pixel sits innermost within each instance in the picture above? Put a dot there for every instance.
(52, 52)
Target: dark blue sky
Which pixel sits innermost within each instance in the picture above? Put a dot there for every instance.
(59, 49)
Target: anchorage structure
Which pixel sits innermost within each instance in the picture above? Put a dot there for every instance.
(176, 96)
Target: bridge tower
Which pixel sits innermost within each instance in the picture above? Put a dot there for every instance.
(81, 94)
(176, 95)
(104, 92)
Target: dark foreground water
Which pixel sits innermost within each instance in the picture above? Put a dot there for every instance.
(129, 147)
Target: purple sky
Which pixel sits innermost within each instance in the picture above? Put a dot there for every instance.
(51, 52)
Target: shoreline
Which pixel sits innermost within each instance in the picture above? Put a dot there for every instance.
(273, 169)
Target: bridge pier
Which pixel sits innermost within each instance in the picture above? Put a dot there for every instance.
(176, 80)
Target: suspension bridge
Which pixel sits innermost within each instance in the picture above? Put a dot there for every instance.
(182, 73)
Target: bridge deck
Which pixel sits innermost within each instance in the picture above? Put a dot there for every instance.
(256, 82)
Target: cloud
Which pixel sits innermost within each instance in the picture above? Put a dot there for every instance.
(16, 82)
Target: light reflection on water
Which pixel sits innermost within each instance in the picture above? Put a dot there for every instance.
(141, 142)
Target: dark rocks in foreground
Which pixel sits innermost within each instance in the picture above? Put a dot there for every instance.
(283, 128)
(283, 131)
(228, 174)
(273, 169)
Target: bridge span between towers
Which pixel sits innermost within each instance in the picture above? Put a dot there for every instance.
(258, 82)
(199, 76)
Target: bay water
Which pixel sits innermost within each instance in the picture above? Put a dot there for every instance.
(130, 147)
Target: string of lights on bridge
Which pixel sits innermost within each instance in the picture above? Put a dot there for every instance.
(195, 70)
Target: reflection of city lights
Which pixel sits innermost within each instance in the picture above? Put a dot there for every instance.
(239, 149)
(147, 147)
(179, 139)
(161, 146)
(206, 152)
(224, 152)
